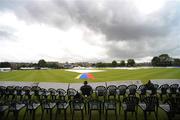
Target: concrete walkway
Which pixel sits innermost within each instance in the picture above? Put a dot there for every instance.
(65, 86)
(77, 86)
(166, 81)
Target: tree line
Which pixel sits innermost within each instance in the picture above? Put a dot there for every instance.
(161, 60)
(41, 64)
(122, 63)
(165, 60)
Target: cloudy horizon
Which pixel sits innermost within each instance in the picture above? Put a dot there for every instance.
(91, 31)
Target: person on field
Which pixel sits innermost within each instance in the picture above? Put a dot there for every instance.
(86, 89)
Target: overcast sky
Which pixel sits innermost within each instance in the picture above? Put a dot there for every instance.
(88, 30)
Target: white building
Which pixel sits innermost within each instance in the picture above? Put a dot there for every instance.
(5, 69)
(27, 68)
(44, 68)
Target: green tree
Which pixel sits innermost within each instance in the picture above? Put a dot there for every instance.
(122, 63)
(100, 64)
(162, 60)
(53, 65)
(42, 63)
(176, 62)
(165, 60)
(131, 62)
(155, 61)
(5, 64)
(114, 63)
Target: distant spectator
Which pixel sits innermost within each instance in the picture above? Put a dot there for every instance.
(86, 89)
(150, 86)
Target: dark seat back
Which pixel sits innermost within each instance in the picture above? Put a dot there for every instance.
(61, 93)
(151, 102)
(121, 89)
(100, 91)
(132, 89)
(164, 88)
(27, 90)
(143, 89)
(173, 88)
(131, 103)
(18, 90)
(52, 91)
(111, 90)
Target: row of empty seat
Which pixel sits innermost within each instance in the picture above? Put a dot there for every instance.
(103, 99)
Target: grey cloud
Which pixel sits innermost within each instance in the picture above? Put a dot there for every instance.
(4, 35)
(141, 49)
(45, 12)
(117, 20)
(132, 49)
(7, 33)
(120, 20)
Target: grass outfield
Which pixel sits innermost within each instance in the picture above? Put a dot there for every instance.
(107, 75)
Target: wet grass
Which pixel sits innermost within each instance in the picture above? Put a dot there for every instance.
(108, 75)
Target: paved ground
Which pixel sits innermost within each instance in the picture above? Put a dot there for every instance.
(166, 81)
(12, 83)
(65, 86)
(77, 86)
(48, 85)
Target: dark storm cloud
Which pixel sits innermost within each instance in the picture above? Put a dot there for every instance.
(121, 21)
(131, 49)
(117, 20)
(144, 48)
